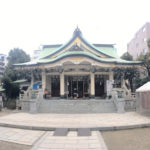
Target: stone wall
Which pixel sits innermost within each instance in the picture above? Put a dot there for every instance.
(73, 106)
(25, 106)
(130, 105)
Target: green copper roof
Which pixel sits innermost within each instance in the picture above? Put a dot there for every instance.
(109, 51)
(46, 52)
(82, 54)
(49, 53)
(86, 54)
(20, 81)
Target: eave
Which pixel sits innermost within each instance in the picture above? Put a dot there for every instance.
(80, 54)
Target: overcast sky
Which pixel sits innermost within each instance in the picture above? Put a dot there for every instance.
(27, 24)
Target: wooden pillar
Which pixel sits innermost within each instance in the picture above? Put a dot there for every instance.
(43, 80)
(111, 75)
(62, 93)
(48, 83)
(92, 85)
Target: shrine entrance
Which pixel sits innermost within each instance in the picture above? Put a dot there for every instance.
(55, 86)
(78, 86)
(100, 85)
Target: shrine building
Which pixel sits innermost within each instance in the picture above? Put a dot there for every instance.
(77, 69)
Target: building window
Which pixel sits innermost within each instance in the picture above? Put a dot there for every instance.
(144, 29)
(136, 35)
(144, 39)
(144, 50)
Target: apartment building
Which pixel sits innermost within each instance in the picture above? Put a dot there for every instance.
(138, 44)
(36, 54)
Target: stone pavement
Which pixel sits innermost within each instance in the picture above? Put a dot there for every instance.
(45, 140)
(19, 136)
(71, 142)
(40, 139)
(52, 121)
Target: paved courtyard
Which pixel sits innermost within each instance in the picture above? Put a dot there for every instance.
(75, 120)
(26, 137)
(45, 140)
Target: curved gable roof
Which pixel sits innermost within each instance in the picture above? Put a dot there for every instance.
(106, 50)
(104, 53)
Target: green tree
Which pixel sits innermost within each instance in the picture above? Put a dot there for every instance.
(129, 74)
(139, 82)
(11, 90)
(127, 56)
(15, 56)
(145, 58)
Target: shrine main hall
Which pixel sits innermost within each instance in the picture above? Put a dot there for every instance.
(77, 69)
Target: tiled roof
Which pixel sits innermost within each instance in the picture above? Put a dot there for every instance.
(82, 54)
(108, 52)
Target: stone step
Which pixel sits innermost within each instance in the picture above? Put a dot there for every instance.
(61, 132)
(84, 132)
(76, 106)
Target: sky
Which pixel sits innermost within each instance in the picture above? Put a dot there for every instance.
(28, 24)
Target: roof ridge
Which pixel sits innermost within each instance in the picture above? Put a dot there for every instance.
(51, 45)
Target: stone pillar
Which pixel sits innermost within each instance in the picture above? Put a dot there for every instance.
(43, 80)
(62, 93)
(122, 82)
(50, 88)
(105, 82)
(92, 85)
(32, 78)
(111, 75)
(33, 107)
(121, 105)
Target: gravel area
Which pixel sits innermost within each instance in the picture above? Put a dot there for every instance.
(135, 139)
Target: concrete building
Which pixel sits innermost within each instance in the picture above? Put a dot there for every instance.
(138, 44)
(76, 70)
